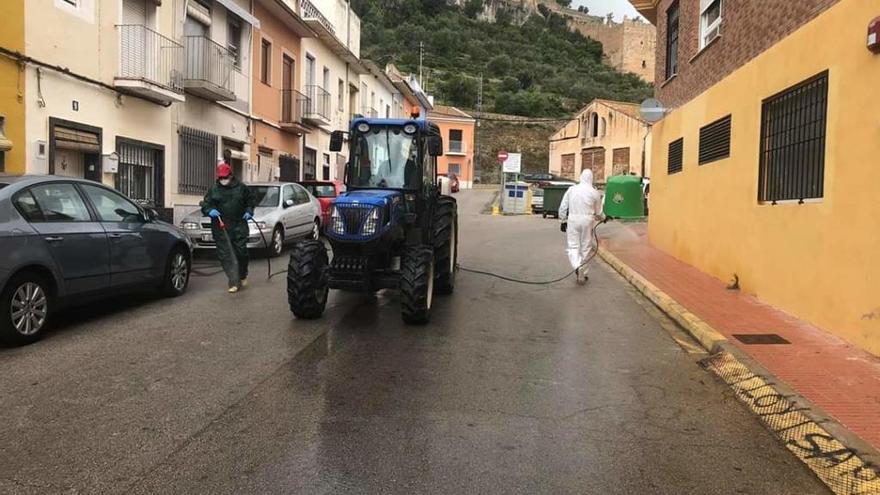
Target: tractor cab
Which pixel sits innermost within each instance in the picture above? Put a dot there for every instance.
(391, 229)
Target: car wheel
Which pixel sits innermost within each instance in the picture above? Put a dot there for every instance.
(177, 272)
(277, 244)
(25, 307)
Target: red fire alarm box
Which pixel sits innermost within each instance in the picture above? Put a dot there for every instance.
(874, 35)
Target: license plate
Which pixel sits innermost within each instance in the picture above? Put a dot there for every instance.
(207, 237)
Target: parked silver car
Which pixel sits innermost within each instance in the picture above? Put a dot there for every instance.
(67, 240)
(285, 212)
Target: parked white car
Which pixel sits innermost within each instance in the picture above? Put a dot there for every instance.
(285, 212)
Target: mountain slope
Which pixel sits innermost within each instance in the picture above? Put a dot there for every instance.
(532, 64)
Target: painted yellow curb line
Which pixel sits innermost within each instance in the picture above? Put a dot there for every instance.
(707, 336)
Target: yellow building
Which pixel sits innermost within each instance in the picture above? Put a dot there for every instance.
(12, 90)
(605, 136)
(767, 168)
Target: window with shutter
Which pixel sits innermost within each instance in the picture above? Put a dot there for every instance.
(715, 141)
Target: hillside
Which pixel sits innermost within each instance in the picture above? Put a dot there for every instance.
(532, 63)
(498, 132)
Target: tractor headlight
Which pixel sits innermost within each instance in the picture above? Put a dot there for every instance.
(336, 224)
(371, 225)
(410, 128)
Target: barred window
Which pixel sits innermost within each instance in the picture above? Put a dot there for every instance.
(137, 174)
(198, 157)
(792, 162)
(715, 141)
(676, 156)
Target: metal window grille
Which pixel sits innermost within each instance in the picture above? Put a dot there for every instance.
(715, 141)
(792, 162)
(198, 151)
(136, 177)
(676, 156)
(672, 40)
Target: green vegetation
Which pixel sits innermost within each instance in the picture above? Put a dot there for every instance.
(532, 66)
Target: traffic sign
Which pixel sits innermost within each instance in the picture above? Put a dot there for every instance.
(513, 163)
(502, 156)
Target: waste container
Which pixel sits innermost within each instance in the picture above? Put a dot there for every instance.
(516, 199)
(553, 194)
(624, 197)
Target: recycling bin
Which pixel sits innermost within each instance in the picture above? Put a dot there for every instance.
(553, 198)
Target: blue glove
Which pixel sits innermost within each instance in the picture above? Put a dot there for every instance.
(247, 216)
(214, 213)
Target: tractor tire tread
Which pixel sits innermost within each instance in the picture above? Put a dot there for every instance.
(307, 260)
(414, 285)
(445, 223)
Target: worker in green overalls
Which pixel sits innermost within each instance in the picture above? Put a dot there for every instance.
(230, 202)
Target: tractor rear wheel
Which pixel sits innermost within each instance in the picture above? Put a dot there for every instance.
(306, 280)
(445, 245)
(417, 284)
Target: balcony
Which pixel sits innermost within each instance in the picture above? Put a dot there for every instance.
(314, 18)
(316, 110)
(457, 148)
(209, 68)
(293, 106)
(150, 65)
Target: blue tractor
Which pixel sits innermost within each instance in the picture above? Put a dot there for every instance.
(391, 229)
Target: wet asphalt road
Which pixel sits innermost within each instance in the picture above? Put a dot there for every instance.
(511, 389)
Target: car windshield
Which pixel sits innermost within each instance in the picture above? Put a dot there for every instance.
(265, 195)
(321, 190)
(385, 157)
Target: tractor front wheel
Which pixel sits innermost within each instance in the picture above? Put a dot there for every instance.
(417, 285)
(306, 280)
(446, 244)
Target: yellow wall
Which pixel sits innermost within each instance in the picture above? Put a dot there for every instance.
(12, 86)
(818, 260)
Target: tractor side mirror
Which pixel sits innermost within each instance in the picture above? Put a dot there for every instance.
(435, 146)
(336, 141)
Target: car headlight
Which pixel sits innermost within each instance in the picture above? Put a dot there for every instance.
(336, 224)
(259, 226)
(372, 224)
(189, 225)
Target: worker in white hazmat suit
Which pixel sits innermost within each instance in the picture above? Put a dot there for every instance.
(580, 211)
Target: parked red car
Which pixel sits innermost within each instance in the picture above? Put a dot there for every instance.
(453, 182)
(326, 192)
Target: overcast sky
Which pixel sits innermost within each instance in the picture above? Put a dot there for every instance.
(603, 7)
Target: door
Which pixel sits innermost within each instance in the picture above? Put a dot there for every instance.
(305, 215)
(310, 83)
(567, 169)
(594, 159)
(288, 99)
(137, 253)
(620, 161)
(310, 163)
(289, 218)
(77, 241)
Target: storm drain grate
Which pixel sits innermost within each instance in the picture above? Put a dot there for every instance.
(760, 338)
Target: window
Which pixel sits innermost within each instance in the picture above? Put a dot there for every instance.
(341, 96)
(454, 169)
(710, 21)
(111, 206)
(266, 62)
(672, 40)
(455, 141)
(676, 156)
(715, 141)
(594, 125)
(310, 161)
(60, 203)
(27, 206)
(233, 39)
(289, 195)
(325, 83)
(325, 173)
(198, 157)
(387, 111)
(302, 196)
(136, 177)
(792, 165)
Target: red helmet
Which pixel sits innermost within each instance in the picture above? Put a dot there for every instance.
(223, 170)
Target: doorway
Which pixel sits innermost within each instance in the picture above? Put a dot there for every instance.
(74, 150)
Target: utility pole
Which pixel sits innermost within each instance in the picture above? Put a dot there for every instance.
(421, 56)
(477, 170)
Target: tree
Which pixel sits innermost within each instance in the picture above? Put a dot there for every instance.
(564, 3)
(510, 84)
(472, 8)
(500, 65)
(460, 90)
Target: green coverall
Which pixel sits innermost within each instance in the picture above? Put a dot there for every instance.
(232, 202)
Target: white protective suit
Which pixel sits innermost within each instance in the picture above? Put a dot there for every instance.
(582, 208)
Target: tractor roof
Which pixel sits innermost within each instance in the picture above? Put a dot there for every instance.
(423, 125)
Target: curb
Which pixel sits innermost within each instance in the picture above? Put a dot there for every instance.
(708, 337)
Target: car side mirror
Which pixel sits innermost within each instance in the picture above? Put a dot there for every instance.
(151, 215)
(288, 203)
(336, 141)
(435, 146)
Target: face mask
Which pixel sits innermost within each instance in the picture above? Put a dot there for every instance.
(225, 182)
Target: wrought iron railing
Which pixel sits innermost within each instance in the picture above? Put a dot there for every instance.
(318, 102)
(208, 61)
(293, 105)
(457, 147)
(309, 11)
(148, 56)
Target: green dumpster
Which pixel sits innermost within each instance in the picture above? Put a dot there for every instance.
(553, 198)
(623, 197)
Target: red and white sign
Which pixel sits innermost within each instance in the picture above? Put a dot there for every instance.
(502, 156)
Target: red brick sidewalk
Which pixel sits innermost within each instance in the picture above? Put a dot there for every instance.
(837, 377)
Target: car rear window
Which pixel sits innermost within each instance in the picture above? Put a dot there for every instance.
(321, 190)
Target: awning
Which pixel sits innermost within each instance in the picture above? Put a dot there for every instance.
(72, 139)
(240, 12)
